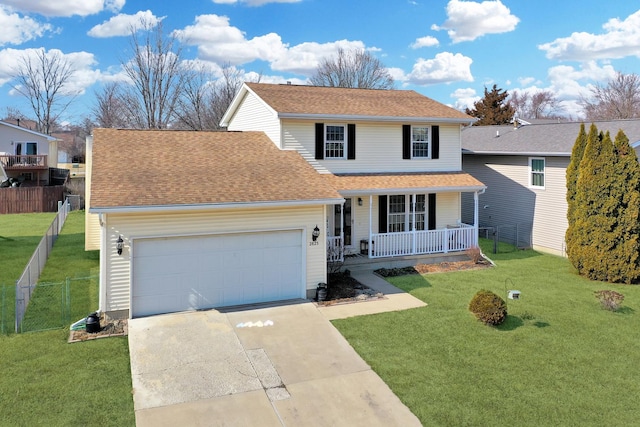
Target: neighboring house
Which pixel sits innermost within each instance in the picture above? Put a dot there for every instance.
(27, 155)
(304, 176)
(524, 168)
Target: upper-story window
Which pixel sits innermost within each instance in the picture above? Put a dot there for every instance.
(335, 140)
(536, 172)
(420, 142)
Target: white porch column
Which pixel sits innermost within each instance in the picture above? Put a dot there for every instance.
(370, 245)
(475, 218)
(413, 224)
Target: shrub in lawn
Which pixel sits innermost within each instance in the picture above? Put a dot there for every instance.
(610, 300)
(474, 254)
(488, 307)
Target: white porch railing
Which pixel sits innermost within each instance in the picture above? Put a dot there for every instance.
(335, 249)
(458, 238)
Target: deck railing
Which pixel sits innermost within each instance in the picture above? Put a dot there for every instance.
(450, 239)
(335, 249)
(33, 161)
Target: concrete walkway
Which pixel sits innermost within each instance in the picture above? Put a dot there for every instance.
(395, 299)
(276, 365)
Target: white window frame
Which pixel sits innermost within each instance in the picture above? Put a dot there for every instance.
(414, 142)
(532, 172)
(344, 141)
(407, 214)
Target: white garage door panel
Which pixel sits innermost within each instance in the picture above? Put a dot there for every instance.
(189, 273)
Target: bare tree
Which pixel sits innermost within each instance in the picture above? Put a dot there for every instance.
(618, 99)
(542, 104)
(42, 79)
(157, 77)
(205, 98)
(109, 110)
(354, 68)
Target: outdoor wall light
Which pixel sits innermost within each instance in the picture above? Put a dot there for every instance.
(315, 234)
(119, 245)
(359, 201)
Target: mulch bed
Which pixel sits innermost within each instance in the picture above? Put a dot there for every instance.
(344, 289)
(443, 267)
(108, 328)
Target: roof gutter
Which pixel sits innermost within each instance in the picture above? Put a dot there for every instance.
(213, 206)
(376, 191)
(518, 153)
(353, 117)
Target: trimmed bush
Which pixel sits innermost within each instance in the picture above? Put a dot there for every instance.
(488, 307)
(610, 300)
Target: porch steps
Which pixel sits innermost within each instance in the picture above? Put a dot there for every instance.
(362, 262)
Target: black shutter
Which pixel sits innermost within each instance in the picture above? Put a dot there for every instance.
(319, 141)
(435, 142)
(432, 211)
(351, 142)
(406, 141)
(382, 214)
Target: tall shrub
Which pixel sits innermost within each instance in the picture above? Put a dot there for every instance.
(573, 171)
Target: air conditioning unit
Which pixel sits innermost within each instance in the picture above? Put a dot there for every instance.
(514, 294)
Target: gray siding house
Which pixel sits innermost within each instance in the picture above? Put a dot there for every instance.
(524, 169)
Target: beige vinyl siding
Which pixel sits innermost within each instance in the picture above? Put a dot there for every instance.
(131, 226)
(378, 148)
(510, 201)
(447, 209)
(91, 220)
(255, 115)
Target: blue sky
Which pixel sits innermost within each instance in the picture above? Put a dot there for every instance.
(448, 50)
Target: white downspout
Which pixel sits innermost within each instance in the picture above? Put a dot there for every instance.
(476, 213)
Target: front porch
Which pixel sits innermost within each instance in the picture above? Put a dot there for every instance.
(456, 238)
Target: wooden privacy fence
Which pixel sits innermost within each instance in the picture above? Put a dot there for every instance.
(30, 199)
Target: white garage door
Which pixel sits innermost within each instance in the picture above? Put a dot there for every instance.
(191, 273)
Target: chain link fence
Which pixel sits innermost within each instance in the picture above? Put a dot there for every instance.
(57, 305)
(508, 237)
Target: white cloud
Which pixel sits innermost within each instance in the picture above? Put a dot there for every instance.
(468, 20)
(254, 2)
(82, 62)
(446, 67)
(220, 42)
(621, 39)
(65, 7)
(17, 29)
(427, 41)
(465, 98)
(121, 24)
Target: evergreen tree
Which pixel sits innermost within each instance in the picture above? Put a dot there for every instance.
(572, 179)
(624, 261)
(493, 109)
(594, 217)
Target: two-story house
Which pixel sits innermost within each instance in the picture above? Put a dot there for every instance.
(304, 175)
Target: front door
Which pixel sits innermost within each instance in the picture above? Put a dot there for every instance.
(342, 218)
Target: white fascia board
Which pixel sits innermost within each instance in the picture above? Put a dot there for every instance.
(376, 191)
(224, 122)
(202, 207)
(33, 132)
(375, 118)
(517, 153)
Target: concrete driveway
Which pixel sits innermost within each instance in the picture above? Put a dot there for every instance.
(272, 366)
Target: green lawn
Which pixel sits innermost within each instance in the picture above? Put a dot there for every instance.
(45, 380)
(559, 359)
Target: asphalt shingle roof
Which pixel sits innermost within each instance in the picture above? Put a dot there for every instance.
(538, 139)
(334, 101)
(375, 182)
(163, 168)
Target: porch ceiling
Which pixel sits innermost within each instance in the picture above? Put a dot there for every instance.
(432, 182)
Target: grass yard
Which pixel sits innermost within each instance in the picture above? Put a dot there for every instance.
(46, 381)
(559, 359)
